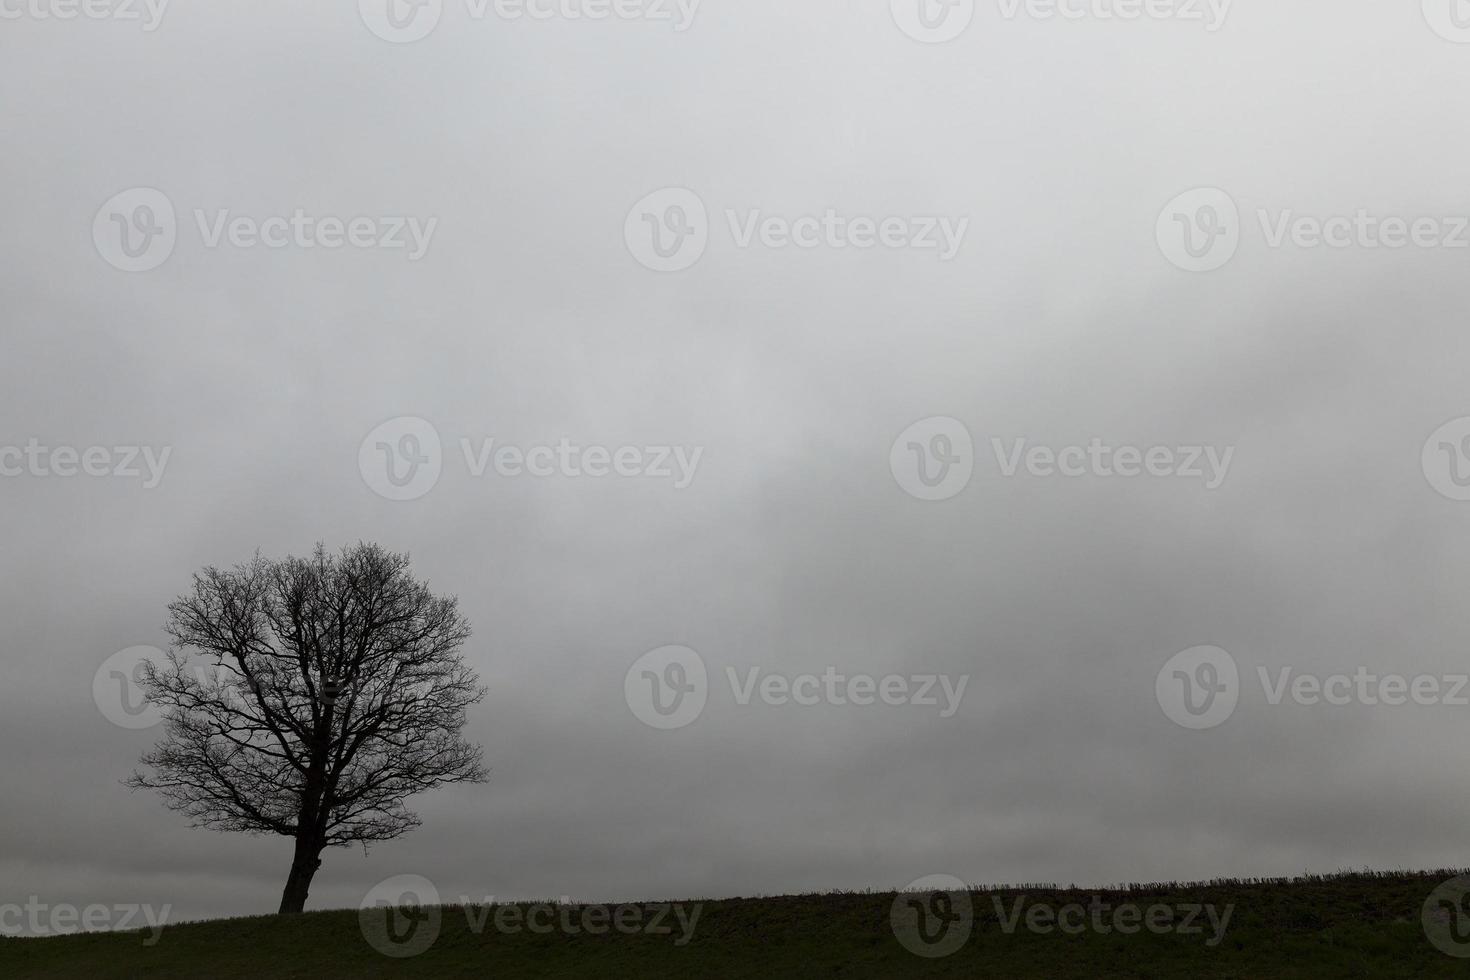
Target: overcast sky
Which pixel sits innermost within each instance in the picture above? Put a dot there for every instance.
(521, 150)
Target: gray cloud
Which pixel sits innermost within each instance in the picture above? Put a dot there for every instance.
(528, 321)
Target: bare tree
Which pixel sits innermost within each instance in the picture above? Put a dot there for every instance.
(337, 690)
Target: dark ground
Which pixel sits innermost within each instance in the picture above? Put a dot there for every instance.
(1350, 925)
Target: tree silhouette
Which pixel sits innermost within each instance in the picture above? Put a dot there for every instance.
(337, 690)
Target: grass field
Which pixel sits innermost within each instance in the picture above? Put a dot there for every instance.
(1348, 925)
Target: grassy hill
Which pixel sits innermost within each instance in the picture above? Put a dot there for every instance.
(1348, 925)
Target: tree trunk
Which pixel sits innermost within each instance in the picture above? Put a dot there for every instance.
(307, 857)
(303, 867)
